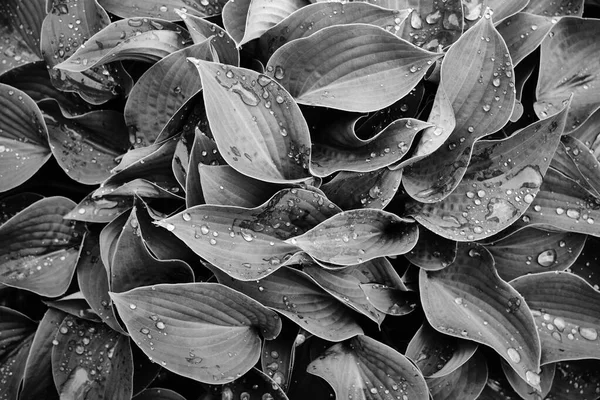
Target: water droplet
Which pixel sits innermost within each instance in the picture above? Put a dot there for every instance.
(279, 72)
(160, 325)
(514, 355)
(574, 214)
(186, 217)
(496, 82)
(487, 107)
(145, 331)
(557, 336)
(163, 9)
(373, 390)
(547, 258)
(247, 235)
(415, 20)
(132, 306)
(588, 333)
(458, 300)
(170, 227)
(213, 241)
(532, 378)
(559, 323)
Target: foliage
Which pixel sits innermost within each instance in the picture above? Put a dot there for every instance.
(258, 199)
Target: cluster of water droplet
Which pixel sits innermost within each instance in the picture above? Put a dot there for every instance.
(440, 27)
(561, 329)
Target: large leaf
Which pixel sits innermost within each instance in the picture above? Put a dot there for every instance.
(165, 9)
(469, 300)
(275, 146)
(352, 237)
(432, 25)
(162, 90)
(204, 331)
(493, 192)
(569, 63)
(354, 67)
(90, 358)
(465, 383)
(39, 249)
(142, 39)
(365, 369)
(23, 143)
(566, 313)
(295, 295)
(482, 96)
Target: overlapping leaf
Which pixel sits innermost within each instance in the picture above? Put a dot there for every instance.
(561, 304)
(432, 252)
(204, 331)
(466, 382)
(587, 134)
(432, 25)
(523, 389)
(163, 8)
(494, 193)
(469, 300)
(523, 33)
(482, 97)
(587, 166)
(99, 208)
(330, 68)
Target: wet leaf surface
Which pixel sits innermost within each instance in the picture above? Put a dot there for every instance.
(432, 252)
(204, 331)
(20, 32)
(100, 209)
(433, 24)
(586, 164)
(523, 389)
(389, 300)
(164, 9)
(587, 133)
(278, 355)
(555, 8)
(523, 33)
(254, 384)
(466, 382)
(468, 300)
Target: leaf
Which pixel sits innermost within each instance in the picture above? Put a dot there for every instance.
(532, 250)
(100, 209)
(254, 384)
(158, 394)
(438, 355)
(278, 355)
(482, 97)
(246, 20)
(39, 248)
(587, 133)
(432, 252)
(11, 205)
(191, 329)
(162, 90)
(466, 382)
(314, 17)
(364, 368)
(504, 9)
(579, 377)
(20, 24)
(586, 164)
(494, 193)
(84, 347)
(275, 147)
(523, 33)
(75, 305)
(468, 299)
(23, 144)
(141, 39)
(388, 300)
(316, 71)
(165, 9)
(556, 8)
(352, 237)
(560, 302)
(523, 389)
(17, 333)
(561, 203)
(387, 147)
(432, 25)
(555, 85)
(223, 185)
(295, 295)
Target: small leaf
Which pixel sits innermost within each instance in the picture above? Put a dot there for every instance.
(432, 252)
(458, 302)
(295, 295)
(81, 347)
(555, 8)
(466, 382)
(566, 313)
(432, 25)
(165, 9)
(203, 331)
(316, 71)
(555, 85)
(39, 249)
(523, 389)
(352, 237)
(364, 368)
(276, 144)
(532, 250)
(141, 39)
(523, 33)
(23, 144)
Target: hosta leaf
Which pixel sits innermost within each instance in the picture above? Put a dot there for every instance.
(466, 382)
(248, 244)
(276, 143)
(384, 149)
(364, 368)
(64, 30)
(504, 9)
(522, 388)
(434, 24)
(162, 90)
(562, 203)
(141, 39)
(37, 379)
(482, 97)
(278, 355)
(579, 377)
(555, 8)
(246, 20)
(201, 29)
(432, 252)
(254, 384)
(523, 33)
(194, 193)
(224, 185)
(316, 71)
(469, 300)
(587, 133)
(350, 190)
(20, 33)
(566, 313)
(436, 354)
(494, 193)
(295, 295)
(99, 208)
(163, 8)
(17, 333)
(81, 347)
(39, 248)
(571, 43)
(352, 237)
(586, 163)
(388, 300)
(532, 250)
(204, 331)
(81, 145)
(312, 18)
(23, 144)
(158, 394)
(12, 204)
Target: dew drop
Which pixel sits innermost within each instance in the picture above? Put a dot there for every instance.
(532, 378)
(514, 355)
(547, 258)
(132, 306)
(496, 82)
(588, 333)
(574, 214)
(279, 72)
(559, 323)
(170, 227)
(160, 325)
